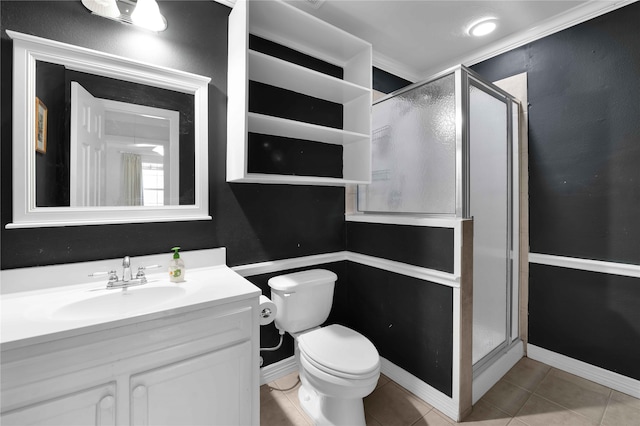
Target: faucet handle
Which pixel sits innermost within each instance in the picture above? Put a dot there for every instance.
(150, 266)
(141, 269)
(113, 276)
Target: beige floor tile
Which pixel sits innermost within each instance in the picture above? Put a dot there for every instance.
(370, 421)
(579, 395)
(559, 399)
(296, 403)
(620, 413)
(527, 373)
(288, 382)
(485, 414)
(269, 392)
(383, 380)
(281, 412)
(584, 383)
(288, 386)
(433, 418)
(391, 405)
(507, 397)
(540, 412)
(626, 399)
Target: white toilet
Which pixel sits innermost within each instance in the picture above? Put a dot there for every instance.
(338, 366)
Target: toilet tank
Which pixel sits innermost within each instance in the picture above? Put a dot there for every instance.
(303, 299)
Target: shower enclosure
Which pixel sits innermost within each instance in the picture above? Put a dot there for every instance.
(447, 147)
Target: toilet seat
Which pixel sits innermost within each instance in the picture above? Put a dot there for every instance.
(340, 351)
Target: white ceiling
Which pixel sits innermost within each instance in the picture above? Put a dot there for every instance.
(418, 38)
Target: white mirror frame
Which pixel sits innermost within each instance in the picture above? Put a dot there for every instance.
(28, 49)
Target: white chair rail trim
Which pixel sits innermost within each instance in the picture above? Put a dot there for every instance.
(432, 275)
(613, 268)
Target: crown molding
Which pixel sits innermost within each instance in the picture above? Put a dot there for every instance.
(568, 19)
(394, 67)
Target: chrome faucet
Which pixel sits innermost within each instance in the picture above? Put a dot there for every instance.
(127, 279)
(126, 269)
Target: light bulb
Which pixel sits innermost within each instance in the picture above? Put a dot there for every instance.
(147, 15)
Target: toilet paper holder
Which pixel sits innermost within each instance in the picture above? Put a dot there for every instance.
(267, 314)
(267, 310)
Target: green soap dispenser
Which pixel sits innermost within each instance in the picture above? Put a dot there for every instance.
(176, 267)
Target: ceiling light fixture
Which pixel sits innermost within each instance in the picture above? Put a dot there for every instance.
(106, 8)
(482, 27)
(147, 15)
(142, 13)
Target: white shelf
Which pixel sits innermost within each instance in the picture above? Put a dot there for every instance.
(286, 25)
(289, 26)
(268, 125)
(276, 72)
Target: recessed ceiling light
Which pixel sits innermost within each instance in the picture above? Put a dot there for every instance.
(482, 27)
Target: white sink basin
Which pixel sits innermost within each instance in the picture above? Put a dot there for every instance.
(118, 302)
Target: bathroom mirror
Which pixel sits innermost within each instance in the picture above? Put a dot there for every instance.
(99, 138)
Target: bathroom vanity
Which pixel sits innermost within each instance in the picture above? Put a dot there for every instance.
(85, 355)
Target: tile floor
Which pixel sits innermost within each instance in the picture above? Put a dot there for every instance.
(531, 394)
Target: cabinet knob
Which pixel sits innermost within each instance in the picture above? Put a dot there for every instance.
(107, 402)
(140, 391)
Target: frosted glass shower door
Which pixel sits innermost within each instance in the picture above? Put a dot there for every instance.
(489, 189)
(414, 152)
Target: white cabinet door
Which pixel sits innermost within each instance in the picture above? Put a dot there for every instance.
(209, 389)
(95, 406)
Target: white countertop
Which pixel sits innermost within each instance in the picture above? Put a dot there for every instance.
(32, 317)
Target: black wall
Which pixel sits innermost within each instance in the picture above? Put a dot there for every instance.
(409, 320)
(584, 136)
(415, 245)
(254, 222)
(589, 316)
(52, 173)
(584, 184)
(386, 82)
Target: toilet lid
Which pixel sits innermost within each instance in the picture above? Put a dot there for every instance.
(340, 349)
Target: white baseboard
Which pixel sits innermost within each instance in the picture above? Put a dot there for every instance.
(277, 370)
(496, 371)
(599, 375)
(428, 394)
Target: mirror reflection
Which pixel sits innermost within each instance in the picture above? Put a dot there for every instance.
(112, 142)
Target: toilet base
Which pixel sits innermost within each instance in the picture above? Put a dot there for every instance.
(327, 411)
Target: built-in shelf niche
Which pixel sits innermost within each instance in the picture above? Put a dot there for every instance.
(288, 26)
